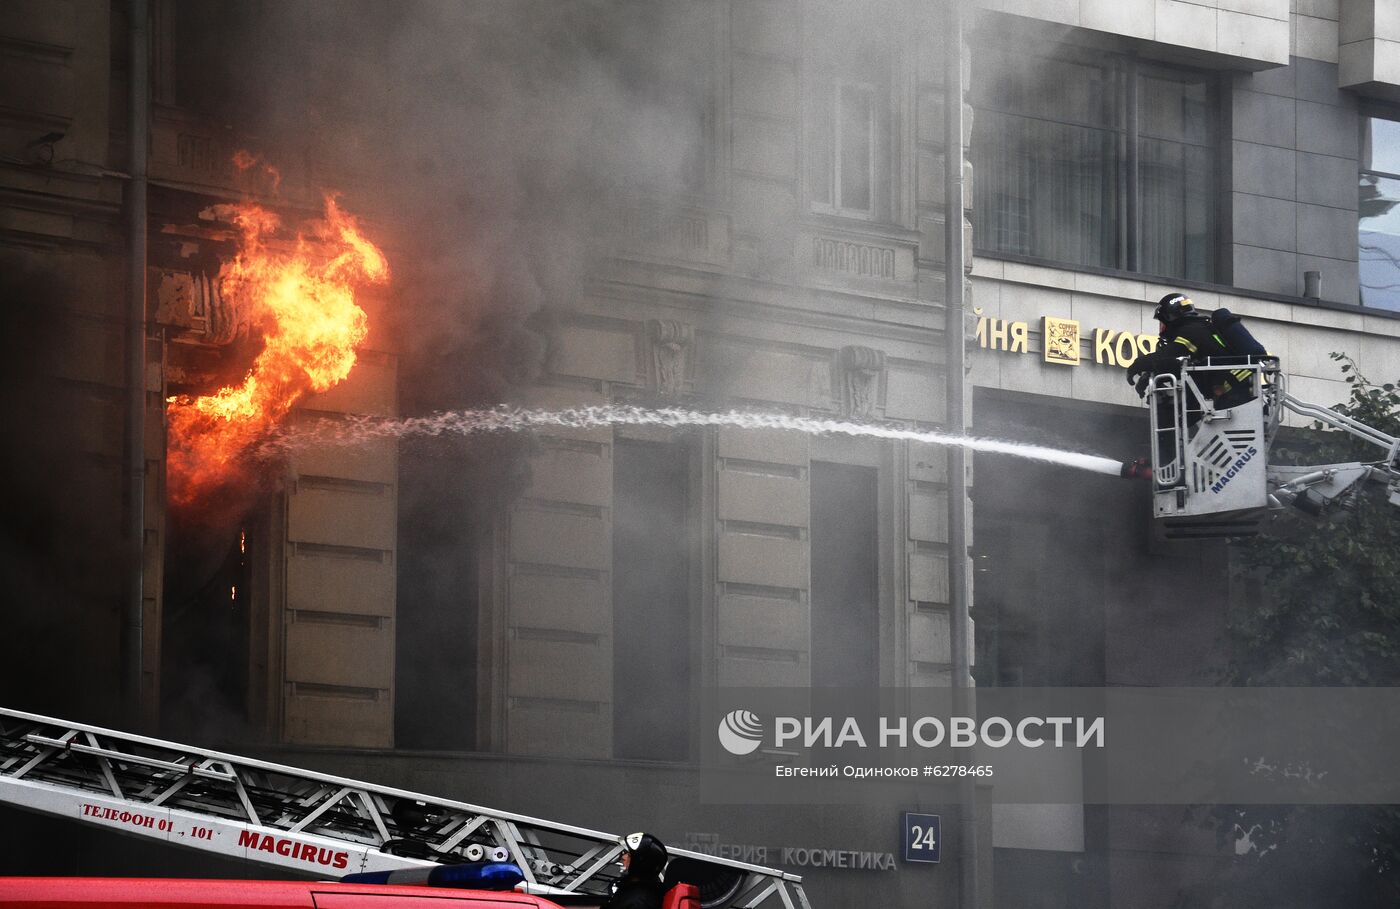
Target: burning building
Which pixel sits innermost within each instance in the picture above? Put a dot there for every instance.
(262, 310)
(264, 338)
(730, 205)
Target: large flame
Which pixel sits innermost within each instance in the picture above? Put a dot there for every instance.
(302, 302)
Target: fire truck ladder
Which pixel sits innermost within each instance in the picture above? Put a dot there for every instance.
(324, 826)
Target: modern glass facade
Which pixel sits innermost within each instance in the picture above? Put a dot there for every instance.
(1102, 161)
(1378, 241)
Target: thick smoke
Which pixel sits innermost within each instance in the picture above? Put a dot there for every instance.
(488, 143)
(489, 147)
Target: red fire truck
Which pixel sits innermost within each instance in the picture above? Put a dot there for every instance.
(114, 893)
(387, 846)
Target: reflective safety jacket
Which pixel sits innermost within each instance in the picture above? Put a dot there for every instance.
(637, 893)
(1192, 337)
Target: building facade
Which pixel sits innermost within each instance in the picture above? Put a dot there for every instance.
(1123, 151)
(793, 264)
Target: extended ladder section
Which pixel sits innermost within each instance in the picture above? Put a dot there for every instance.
(320, 825)
(1212, 475)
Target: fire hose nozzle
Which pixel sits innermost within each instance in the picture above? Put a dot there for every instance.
(1136, 470)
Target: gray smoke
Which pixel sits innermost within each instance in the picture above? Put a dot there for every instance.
(487, 145)
(486, 141)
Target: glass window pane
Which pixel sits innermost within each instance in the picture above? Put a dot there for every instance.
(1170, 108)
(1049, 149)
(1379, 242)
(1380, 146)
(856, 112)
(1065, 90)
(1177, 209)
(652, 675)
(818, 152)
(1048, 190)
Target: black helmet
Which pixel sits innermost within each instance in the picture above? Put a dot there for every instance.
(648, 854)
(1173, 307)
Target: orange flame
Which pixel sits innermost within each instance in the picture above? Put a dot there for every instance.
(244, 161)
(303, 303)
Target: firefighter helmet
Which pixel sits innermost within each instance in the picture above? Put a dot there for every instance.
(648, 855)
(1173, 307)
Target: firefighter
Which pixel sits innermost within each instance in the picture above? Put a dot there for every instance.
(1183, 332)
(1187, 332)
(643, 860)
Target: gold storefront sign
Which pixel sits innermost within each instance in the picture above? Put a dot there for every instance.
(1121, 348)
(1061, 341)
(999, 334)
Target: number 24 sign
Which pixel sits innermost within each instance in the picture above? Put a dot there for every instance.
(923, 836)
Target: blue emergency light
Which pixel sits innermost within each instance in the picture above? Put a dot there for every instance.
(468, 876)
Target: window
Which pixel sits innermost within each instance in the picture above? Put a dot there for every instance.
(845, 577)
(657, 129)
(1379, 239)
(1106, 162)
(848, 150)
(200, 58)
(843, 179)
(652, 674)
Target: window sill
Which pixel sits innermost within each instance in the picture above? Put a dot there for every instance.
(1189, 285)
(850, 214)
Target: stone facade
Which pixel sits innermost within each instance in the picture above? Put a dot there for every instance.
(759, 301)
(1289, 174)
(777, 284)
(60, 203)
(1294, 152)
(1243, 34)
(1302, 334)
(1368, 35)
